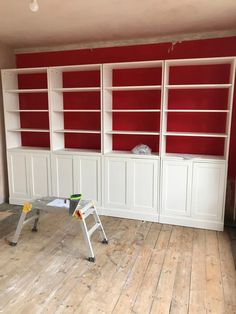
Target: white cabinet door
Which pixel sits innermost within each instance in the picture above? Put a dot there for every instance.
(62, 175)
(116, 193)
(88, 177)
(176, 188)
(18, 177)
(40, 175)
(208, 191)
(144, 185)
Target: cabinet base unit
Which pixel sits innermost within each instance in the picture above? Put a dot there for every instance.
(131, 188)
(72, 174)
(29, 175)
(193, 193)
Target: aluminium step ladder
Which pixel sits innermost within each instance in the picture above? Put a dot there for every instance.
(83, 209)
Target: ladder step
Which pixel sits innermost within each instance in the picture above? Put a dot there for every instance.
(94, 228)
(85, 205)
(29, 219)
(88, 212)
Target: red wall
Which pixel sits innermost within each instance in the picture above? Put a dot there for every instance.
(218, 47)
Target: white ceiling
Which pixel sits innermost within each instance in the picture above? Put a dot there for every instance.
(62, 22)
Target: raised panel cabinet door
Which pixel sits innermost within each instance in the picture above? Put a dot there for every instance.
(88, 177)
(116, 183)
(40, 178)
(144, 185)
(208, 190)
(18, 176)
(176, 188)
(62, 175)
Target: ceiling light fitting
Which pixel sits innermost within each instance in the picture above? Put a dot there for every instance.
(33, 5)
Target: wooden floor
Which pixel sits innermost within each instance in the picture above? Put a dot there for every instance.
(146, 268)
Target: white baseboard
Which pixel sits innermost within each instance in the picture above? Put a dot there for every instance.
(192, 222)
(128, 214)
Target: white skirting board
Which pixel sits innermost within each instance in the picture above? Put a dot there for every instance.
(192, 222)
(128, 214)
(179, 221)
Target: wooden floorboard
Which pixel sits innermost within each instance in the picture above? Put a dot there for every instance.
(146, 268)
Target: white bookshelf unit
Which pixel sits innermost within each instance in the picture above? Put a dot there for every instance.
(75, 111)
(21, 87)
(74, 127)
(131, 96)
(208, 117)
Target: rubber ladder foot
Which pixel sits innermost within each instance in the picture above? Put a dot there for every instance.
(12, 243)
(105, 241)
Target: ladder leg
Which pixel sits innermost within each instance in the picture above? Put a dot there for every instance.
(18, 229)
(91, 257)
(35, 226)
(102, 232)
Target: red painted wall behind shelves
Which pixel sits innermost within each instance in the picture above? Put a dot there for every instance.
(218, 47)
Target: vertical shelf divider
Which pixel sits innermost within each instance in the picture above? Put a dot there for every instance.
(230, 108)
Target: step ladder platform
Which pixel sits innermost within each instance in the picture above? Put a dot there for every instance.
(84, 209)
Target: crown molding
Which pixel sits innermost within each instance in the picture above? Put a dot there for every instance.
(128, 42)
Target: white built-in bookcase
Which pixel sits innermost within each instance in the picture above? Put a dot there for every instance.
(106, 110)
(227, 85)
(12, 110)
(110, 111)
(87, 118)
(58, 111)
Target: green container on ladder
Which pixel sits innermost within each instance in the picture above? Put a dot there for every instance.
(74, 200)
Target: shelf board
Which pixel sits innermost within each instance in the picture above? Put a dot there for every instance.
(35, 90)
(130, 154)
(196, 134)
(198, 86)
(29, 130)
(26, 70)
(133, 110)
(195, 110)
(76, 89)
(29, 148)
(28, 110)
(77, 150)
(145, 87)
(133, 65)
(194, 156)
(77, 131)
(76, 68)
(200, 61)
(133, 132)
(77, 110)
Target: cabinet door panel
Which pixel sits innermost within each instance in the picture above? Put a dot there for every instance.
(208, 190)
(116, 182)
(88, 177)
(40, 177)
(144, 196)
(62, 175)
(176, 188)
(18, 176)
